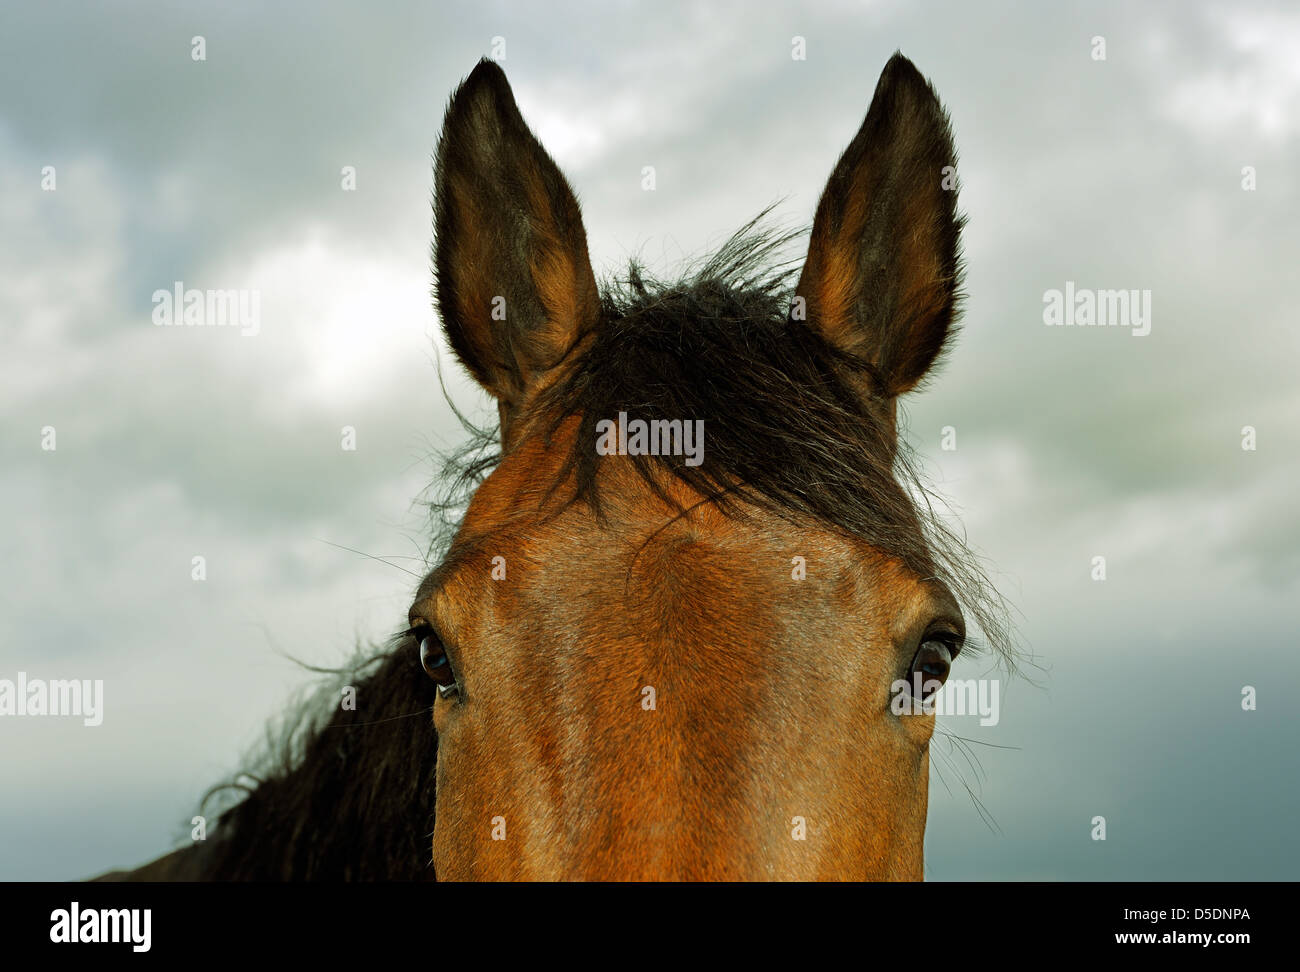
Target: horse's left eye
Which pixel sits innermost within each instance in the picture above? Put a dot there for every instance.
(930, 667)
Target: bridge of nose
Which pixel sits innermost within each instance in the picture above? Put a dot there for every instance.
(666, 694)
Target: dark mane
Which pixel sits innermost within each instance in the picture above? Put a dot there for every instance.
(338, 794)
(350, 794)
(792, 424)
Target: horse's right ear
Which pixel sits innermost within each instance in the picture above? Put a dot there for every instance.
(883, 266)
(512, 277)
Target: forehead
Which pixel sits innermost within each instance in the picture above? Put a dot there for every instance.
(752, 565)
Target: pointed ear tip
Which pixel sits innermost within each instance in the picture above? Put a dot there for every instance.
(900, 72)
(486, 70)
(487, 76)
(899, 66)
(481, 101)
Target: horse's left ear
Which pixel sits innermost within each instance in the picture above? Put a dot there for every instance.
(513, 280)
(883, 263)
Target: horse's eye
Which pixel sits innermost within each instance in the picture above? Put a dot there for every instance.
(930, 668)
(433, 656)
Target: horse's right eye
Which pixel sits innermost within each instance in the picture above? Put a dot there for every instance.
(930, 667)
(433, 656)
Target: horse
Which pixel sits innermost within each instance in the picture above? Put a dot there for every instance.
(669, 635)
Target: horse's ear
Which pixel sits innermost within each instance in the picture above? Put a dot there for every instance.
(883, 263)
(512, 277)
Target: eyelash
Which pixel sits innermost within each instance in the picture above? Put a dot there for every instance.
(951, 639)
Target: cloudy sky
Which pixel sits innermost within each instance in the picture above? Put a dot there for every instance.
(1072, 443)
